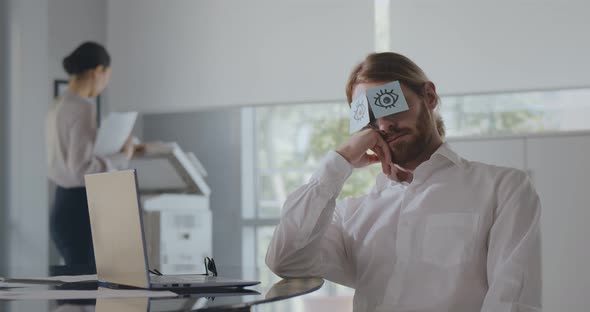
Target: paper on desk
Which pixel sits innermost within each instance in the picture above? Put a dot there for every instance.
(44, 294)
(50, 280)
(73, 278)
(114, 131)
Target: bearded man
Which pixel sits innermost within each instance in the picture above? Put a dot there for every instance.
(436, 233)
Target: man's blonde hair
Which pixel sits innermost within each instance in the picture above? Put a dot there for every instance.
(389, 66)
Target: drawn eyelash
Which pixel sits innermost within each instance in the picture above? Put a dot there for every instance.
(386, 99)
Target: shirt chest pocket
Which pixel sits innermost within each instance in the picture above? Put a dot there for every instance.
(449, 238)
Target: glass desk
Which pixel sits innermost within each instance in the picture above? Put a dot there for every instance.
(261, 297)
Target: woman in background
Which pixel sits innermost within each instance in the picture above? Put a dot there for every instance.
(71, 133)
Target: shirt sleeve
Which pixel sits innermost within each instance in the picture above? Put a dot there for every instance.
(514, 249)
(309, 238)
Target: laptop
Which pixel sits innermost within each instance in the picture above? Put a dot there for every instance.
(119, 242)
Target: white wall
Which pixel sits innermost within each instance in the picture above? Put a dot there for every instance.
(28, 100)
(72, 22)
(28, 96)
(508, 152)
(563, 190)
(212, 53)
(490, 46)
(564, 196)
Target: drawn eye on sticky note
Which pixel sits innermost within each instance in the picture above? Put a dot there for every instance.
(387, 99)
(359, 113)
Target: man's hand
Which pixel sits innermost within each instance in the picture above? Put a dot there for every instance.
(355, 150)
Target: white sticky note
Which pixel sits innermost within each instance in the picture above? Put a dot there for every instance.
(359, 113)
(387, 99)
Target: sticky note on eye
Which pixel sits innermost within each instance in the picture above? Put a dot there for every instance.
(387, 99)
(359, 113)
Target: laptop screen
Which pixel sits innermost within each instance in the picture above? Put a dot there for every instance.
(117, 230)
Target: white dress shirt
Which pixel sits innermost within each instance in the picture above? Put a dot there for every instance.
(70, 136)
(461, 237)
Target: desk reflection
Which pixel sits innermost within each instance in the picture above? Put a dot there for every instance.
(215, 300)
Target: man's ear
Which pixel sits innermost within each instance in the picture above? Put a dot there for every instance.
(430, 95)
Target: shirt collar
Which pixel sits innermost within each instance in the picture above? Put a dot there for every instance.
(444, 152)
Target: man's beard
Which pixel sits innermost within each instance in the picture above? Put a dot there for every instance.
(411, 149)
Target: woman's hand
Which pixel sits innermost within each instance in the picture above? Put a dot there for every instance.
(128, 148)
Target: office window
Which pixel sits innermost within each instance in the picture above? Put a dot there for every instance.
(519, 112)
(290, 140)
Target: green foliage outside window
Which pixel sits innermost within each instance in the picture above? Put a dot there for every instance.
(292, 139)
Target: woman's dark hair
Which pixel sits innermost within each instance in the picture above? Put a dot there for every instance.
(87, 56)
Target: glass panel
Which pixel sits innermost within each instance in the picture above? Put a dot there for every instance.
(511, 113)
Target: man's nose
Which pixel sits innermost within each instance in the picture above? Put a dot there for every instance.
(386, 124)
